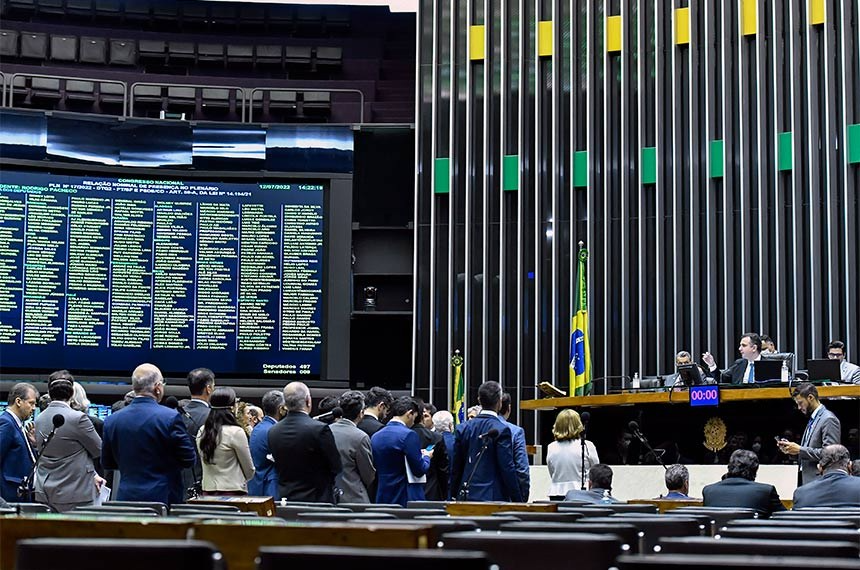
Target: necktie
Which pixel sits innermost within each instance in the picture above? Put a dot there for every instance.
(27, 443)
(751, 375)
(807, 432)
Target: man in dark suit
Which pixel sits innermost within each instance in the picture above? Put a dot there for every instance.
(398, 456)
(265, 481)
(521, 456)
(495, 477)
(353, 445)
(66, 477)
(16, 441)
(378, 401)
(836, 487)
(438, 475)
(739, 489)
(599, 487)
(742, 371)
(306, 457)
(149, 444)
(677, 479)
(201, 383)
(822, 429)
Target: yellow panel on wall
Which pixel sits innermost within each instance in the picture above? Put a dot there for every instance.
(545, 38)
(476, 42)
(749, 17)
(682, 26)
(816, 12)
(613, 33)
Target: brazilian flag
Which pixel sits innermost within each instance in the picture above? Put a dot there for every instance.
(459, 388)
(580, 347)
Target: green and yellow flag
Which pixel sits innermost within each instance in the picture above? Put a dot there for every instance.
(459, 388)
(580, 346)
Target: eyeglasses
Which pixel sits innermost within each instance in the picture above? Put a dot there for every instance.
(835, 355)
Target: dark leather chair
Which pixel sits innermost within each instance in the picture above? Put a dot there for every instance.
(586, 511)
(108, 511)
(624, 508)
(541, 517)
(161, 507)
(291, 512)
(706, 545)
(656, 526)
(280, 557)
(426, 504)
(484, 523)
(321, 516)
(719, 516)
(767, 533)
(30, 508)
(438, 527)
(361, 507)
(630, 536)
(723, 561)
(93, 50)
(8, 43)
(107, 554)
(547, 550)
(788, 523)
(408, 513)
(191, 508)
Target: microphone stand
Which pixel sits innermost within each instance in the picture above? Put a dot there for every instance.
(25, 489)
(644, 441)
(464, 489)
(582, 469)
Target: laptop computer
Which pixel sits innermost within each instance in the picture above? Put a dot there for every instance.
(767, 371)
(824, 369)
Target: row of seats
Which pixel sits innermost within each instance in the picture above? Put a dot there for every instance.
(188, 15)
(38, 46)
(200, 103)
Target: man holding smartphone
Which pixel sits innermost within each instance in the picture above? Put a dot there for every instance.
(822, 429)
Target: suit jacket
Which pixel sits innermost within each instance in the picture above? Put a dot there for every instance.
(65, 474)
(232, 466)
(739, 492)
(306, 458)
(393, 447)
(735, 372)
(824, 429)
(196, 412)
(521, 459)
(594, 495)
(356, 459)
(149, 445)
(833, 489)
(15, 459)
(265, 481)
(495, 477)
(439, 473)
(370, 425)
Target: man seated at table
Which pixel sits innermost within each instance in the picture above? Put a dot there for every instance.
(849, 373)
(836, 487)
(599, 487)
(678, 483)
(739, 489)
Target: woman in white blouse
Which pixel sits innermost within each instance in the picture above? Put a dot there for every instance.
(564, 455)
(223, 447)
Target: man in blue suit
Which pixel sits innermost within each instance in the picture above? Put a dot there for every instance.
(16, 448)
(836, 487)
(521, 456)
(396, 448)
(149, 444)
(265, 481)
(494, 478)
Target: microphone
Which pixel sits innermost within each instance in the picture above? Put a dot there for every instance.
(25, 489)
(492, 434)
(634, 427)
(172, 403)
(335, 414)
(58, 422)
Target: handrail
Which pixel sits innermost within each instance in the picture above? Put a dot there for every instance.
(241, 90)
(302, 90)
(71, 78)
(2, 89)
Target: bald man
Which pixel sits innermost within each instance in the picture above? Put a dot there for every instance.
(149, 444)
(305, 453)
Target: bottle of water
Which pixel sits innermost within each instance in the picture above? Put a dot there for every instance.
(635, 384)
(606, 500)
(784, 373)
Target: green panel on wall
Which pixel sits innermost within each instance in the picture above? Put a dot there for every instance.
(783, 150)
(854, 144)
(649, 165)
(580, 169)
(511, 172)
(442, 170)
(717, 166)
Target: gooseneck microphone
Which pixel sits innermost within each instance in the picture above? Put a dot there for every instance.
(634, 427)
(25, 489)
(172, 403)
(492, 434)
(585, 417)
(334, 414)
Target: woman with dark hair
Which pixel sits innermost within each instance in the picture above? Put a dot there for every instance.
(223, 447)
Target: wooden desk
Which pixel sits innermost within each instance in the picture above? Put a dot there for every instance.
(13, 529)
(263, 506)
(664, 505)
(465, 509)
(240, 543)
(682, 397)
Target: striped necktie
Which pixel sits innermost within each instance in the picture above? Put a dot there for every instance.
(27, 443)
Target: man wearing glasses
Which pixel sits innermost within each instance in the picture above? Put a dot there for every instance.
(850, 372)
(148, 443)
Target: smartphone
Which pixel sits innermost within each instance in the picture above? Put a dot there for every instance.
(430, 447)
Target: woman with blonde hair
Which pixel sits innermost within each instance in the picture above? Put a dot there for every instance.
(564, 455)
(224, 451)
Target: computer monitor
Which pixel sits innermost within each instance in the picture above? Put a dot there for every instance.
(690, 374)
(824, 369)
(768, 370)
